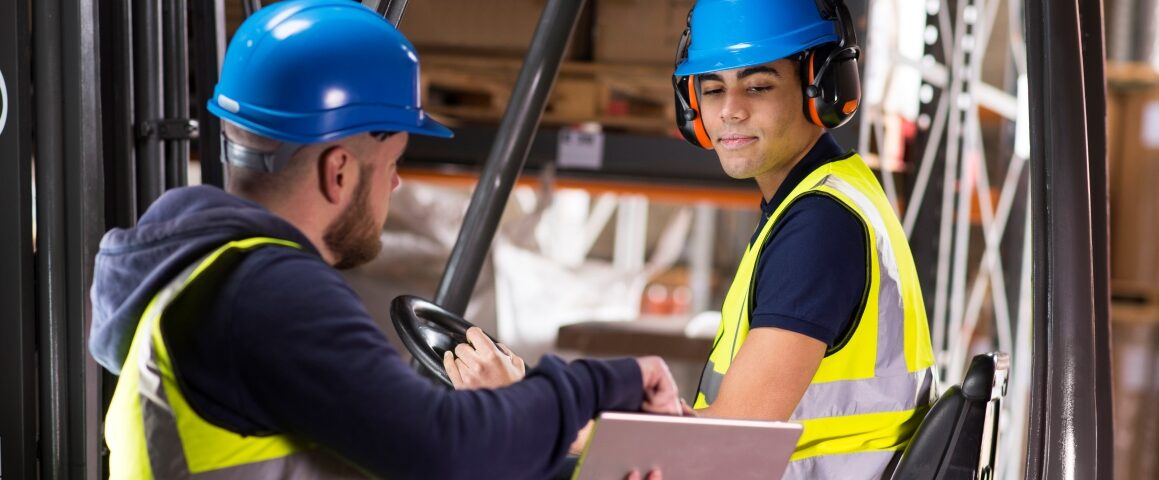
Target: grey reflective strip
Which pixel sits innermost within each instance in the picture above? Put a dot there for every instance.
(162, 437)
(243, 156)
(163, 444)
(890, 310)
(304, 464)
(847, 466)
(870, 395)
(710, 383)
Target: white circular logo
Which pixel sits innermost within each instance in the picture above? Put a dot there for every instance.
(3, 102)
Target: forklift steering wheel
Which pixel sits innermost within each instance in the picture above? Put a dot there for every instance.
(428, 331)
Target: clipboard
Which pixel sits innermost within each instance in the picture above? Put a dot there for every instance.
(686, 447)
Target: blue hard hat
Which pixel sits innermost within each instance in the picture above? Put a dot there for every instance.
(728, 34)
(312, 71)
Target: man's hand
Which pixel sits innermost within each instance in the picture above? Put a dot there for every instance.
(581, 439)
(660, 394)
(652, 475)
(686, 410)
(481, 364)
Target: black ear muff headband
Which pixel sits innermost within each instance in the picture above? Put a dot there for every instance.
(687, 92)
(830, 74)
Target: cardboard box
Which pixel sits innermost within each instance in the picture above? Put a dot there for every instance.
(1133, 159)
(639, 31)
(1135, 362)
(497, 27)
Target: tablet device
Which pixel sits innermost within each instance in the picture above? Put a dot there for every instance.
(686, 447)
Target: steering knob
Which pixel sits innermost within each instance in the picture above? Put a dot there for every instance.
(428, 331)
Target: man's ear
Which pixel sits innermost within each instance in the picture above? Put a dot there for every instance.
(335, 173)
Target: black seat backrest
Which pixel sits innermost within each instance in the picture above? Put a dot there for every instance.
(956, 440)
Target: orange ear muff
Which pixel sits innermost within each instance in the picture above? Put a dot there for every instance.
(850, 107)
(811, 103)
(698, 123)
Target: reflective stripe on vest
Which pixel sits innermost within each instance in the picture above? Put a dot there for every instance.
(873, 387)
(151, 430)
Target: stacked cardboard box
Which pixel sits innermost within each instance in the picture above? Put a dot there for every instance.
(1133, 151)
(493, 27)
(639, 31)
(1135, 343)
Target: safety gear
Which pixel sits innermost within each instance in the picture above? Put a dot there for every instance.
(829, 72)
(312, 71)
(153, 432)
(743, 33)
(728, 34)
(873, 386)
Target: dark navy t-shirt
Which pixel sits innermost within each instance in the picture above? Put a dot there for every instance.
(811, 275)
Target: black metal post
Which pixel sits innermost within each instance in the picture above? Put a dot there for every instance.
(117, 109)
(1064, 440)
(1095, 87)
(208, 25)
(251, 6)
(120, 170)
(509, 152)
(176, 90)
(83, 183)
(70, 218)
(392, 10)
(147, 77)
(50, 254)
(18, 408)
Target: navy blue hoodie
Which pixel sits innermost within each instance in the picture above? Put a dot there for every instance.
(289, 348)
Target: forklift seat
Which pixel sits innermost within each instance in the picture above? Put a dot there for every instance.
(958, 437)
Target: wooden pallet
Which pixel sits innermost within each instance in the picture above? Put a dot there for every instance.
(1131, 76)
(618, 97)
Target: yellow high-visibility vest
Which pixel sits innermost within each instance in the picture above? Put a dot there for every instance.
(151, 430)
(874, 386)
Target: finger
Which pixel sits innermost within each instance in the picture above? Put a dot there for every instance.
(515, 359)
(660, 390)
(686, 410)
(469, 378)
(481, 342)
(468, 355)
(663, 400)
(452, 370)
(581, 439)
(633, 475)
(655, 475)
(469, 372)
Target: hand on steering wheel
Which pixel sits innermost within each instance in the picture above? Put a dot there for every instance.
(482, 363)
(429, 331)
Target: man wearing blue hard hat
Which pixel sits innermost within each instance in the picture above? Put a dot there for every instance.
(242, 353)
(824, 323)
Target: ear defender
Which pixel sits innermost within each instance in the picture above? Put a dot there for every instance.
(688, 119)
(687, 92)
(832, 85)
(830, 75)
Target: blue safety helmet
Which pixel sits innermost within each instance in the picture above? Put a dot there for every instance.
(728, 34)
(312, 71)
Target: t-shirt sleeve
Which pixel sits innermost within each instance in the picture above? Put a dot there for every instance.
(811, 276)
(315, 365)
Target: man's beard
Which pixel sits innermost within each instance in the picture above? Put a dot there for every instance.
(354, 237)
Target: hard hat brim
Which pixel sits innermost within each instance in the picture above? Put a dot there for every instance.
(430, 127)
(423, 125)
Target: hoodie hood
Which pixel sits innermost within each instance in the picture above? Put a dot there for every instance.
(133, 264)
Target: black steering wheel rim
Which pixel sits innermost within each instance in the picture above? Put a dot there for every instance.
(428, 330)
